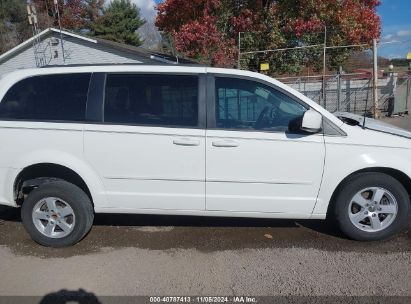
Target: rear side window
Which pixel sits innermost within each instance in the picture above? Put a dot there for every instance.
(49, 97)
(169, 100)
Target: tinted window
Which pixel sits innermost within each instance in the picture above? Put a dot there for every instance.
(49, 97)
(152, 99)
(244, 104)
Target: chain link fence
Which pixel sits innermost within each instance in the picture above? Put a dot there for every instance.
(341, 82)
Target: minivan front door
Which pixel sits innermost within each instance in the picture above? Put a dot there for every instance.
(254, 164)
(150, 148)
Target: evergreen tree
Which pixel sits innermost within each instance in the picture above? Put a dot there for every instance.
(119, 22)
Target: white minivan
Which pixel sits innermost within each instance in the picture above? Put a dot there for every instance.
(189, 141)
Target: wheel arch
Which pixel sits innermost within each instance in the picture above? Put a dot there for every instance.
(402, 177)
(73, 170)
(34, 175)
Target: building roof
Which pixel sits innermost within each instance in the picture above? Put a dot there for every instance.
(161, 57)
(139, 51)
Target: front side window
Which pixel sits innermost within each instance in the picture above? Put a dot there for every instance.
(245, 104)
(60, 97)
(169, 100)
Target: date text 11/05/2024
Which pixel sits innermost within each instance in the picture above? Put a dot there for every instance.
(203, 299)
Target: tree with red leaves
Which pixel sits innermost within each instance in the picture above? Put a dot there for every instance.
(348, 22)
(208, 29)
(193, 27)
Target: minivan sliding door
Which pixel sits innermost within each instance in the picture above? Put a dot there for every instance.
(149, 145)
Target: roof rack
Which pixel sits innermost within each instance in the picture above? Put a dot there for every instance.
(120, 64)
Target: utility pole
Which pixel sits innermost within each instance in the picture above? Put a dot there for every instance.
(239, 51)
(37, 44)
(56, 6)
(376, 112)
(324, 65)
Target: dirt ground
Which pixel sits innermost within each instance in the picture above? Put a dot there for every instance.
(169, 255)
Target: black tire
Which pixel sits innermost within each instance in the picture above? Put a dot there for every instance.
(71, 194)
(361, 181)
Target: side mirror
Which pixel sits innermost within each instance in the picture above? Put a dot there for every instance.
(312, 122)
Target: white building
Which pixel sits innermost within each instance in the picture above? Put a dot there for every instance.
(45, 49)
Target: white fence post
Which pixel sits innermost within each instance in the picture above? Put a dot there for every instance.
(324, 68)
(376, 111)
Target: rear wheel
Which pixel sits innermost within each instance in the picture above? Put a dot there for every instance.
(372, 206)
(57, 214)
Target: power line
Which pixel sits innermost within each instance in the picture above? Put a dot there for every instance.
(347, 46)
(306, 47)
(284, 49)
(394, 41)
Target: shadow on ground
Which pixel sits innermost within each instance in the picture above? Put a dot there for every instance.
(206, 234)
(62, 296)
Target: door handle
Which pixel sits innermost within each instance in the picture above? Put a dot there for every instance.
(186, 142)
(226, 143)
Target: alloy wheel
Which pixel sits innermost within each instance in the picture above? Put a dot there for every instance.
(53, 217)
(373, 209)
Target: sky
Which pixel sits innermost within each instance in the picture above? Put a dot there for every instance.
(396, 26)
(395, 17)
(147, 8)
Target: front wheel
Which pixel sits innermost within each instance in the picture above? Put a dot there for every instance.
(372, 206)
(57, 214)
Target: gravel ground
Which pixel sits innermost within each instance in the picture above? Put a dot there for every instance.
(167, 255)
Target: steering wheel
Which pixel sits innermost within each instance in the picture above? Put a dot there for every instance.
(266, 118)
